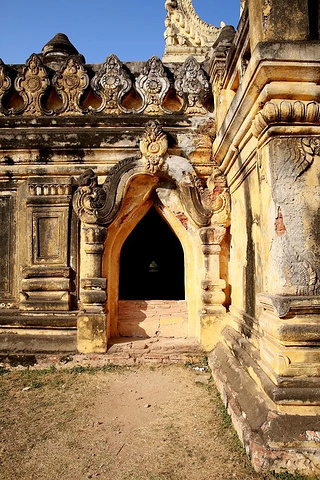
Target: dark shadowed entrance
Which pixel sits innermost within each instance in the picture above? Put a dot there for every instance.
(152, 262)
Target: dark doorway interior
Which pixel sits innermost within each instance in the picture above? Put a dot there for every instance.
(152, 262)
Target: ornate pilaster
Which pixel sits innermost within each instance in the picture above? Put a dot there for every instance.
(92, 331)
(212, 312)
(213, 296)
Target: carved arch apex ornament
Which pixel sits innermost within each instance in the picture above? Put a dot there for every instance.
(5, 84)
(32, 84)
(70, 82)
(152, 85)
(111, 83)
(192, 85)
(284, 112)
(153, 147)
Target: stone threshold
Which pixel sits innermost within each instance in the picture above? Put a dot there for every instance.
(121, 351)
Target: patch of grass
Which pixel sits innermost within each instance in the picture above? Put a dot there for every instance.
(38, 373)
(288, 476)
(223, 413)
(3, 371)
(202, 363)
(36, 384)
(92, 370)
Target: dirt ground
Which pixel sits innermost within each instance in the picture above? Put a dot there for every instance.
(147, 423)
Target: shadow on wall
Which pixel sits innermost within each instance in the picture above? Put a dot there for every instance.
(249, 284)
(151, 318)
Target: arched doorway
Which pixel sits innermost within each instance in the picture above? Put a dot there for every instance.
(152, 262)
(152, 281)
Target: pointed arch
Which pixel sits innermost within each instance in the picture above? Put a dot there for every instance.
(140, 196)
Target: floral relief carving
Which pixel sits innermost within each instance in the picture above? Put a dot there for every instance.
(111, 83)
(70, 82)
(218, 198)
(32, 84)
(5, 84)
(153, 85)
(193, 86)
(301, 154)
(154, 146)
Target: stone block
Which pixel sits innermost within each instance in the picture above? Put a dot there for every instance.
(92, 333)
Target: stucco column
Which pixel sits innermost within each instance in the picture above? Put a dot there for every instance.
(92, 334)
(213, 296)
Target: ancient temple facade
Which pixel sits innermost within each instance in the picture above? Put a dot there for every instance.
(176, 198)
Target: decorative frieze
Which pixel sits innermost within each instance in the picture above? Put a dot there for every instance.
(278, 112)
(39, 88)
(49, 189)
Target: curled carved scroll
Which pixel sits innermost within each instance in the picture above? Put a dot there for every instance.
(70, 82)
(32, 84)
(111, 83)
(5, 84)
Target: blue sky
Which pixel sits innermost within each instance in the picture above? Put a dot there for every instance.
(132, 29)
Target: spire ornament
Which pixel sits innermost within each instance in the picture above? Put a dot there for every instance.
(5, 84)
(70, 82)
(153, 85)
(192, 85)
(111, 84)
(32, 84)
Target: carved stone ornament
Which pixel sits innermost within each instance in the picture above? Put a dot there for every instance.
(154, 146)
(111, 83)
(153, 85)
(284, 112)
(301, 152)
(308, 149)
(5, 84)
(70, 82)
(192, 85)
(218, 199)
(32, 84)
